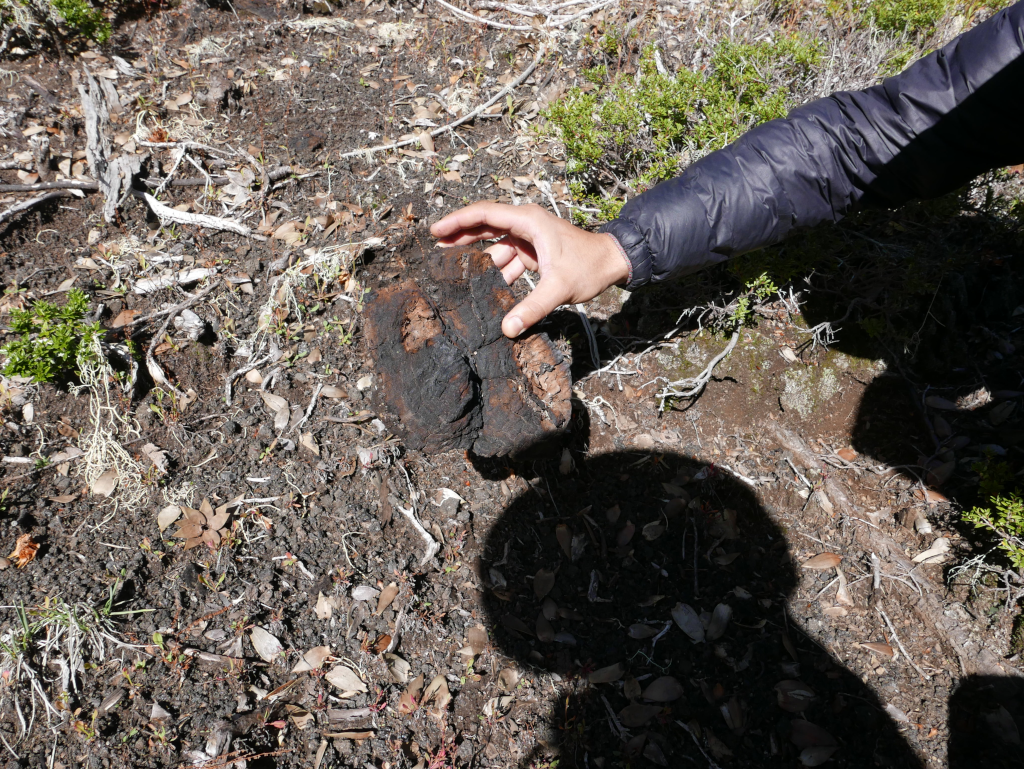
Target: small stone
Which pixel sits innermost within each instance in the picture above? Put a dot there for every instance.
(230, 427)
(4, 563)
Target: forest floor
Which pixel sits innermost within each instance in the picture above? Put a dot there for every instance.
(773, 573)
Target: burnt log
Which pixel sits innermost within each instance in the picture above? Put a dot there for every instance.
(449, 377)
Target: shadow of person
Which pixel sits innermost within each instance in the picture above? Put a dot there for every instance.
(984, 714)
(585, 577)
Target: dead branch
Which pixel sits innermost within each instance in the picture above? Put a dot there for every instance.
(231, 377)
(692, 387)
(114, 177)
(166, 213)
(473, 19)
(464, 119)
(64, 184)
(24, 205)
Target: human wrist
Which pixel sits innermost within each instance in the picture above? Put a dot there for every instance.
(619, 268)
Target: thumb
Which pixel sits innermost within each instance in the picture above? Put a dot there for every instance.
(550, 293)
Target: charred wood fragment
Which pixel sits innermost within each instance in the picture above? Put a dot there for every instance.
(448, 374)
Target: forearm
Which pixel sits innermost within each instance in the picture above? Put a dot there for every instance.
(924, 132)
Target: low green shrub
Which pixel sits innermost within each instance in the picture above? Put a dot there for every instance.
(54, 19)
(907, 15)
(1004, 519)
(629, 133)
(52, 340)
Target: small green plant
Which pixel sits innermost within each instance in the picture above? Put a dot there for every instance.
(53, 341)
(757, 291)
(993, 475)
(83, 18)
(55, 20)
(907, 15)
(1004, 518)
(629, 133)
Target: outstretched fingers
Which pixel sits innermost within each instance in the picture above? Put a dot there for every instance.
(480, 217)
(551, 293)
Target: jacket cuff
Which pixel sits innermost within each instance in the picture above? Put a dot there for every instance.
(634, 248)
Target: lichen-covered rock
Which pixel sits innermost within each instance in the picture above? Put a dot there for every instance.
(807, 388)
(448, 374)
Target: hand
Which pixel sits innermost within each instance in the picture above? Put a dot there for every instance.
(574, 265)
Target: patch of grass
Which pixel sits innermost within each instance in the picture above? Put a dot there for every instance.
(907, 15)
(628, 133)
(52, 340)
(1004, 519)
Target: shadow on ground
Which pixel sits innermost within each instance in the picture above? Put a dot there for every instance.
(630, 535)
(586, 579)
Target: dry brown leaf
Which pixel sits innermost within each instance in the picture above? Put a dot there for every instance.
(843, 597)
(663, 689)
(437, 692)
(308, 441)
(124, 318)
(626, 534)
(63, 499)
(544, 629)
(476, 639)
(265, 644)
(167, 516)
(274, 403)
(104, 485)
(25, 549)
(543, 582)
(564, 536)
(719, 621)
(387, 595)
(794, 696)
(847, 454)
(607, 674)
(822, 561)
(409, 702)
(804, 734)
(157, 456)
(879, 648)
(325, 606)
(640, 631)
(636, 714)
(346, 679)
(688, 621)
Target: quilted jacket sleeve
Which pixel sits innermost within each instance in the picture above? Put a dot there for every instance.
(950, 116)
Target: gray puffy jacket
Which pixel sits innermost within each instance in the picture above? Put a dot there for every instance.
(950, 116)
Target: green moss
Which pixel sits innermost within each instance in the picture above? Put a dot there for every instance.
(629, 133)
(83, 19)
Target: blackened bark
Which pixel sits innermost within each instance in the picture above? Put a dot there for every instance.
(452, 379)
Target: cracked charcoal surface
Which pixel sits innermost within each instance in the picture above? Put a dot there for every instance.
(449, 376)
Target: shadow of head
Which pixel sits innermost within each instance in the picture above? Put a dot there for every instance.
(654, 588)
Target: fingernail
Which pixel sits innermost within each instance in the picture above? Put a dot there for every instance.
(515, 325)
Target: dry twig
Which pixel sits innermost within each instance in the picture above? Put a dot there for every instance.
(464, 119)
(25, 205)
